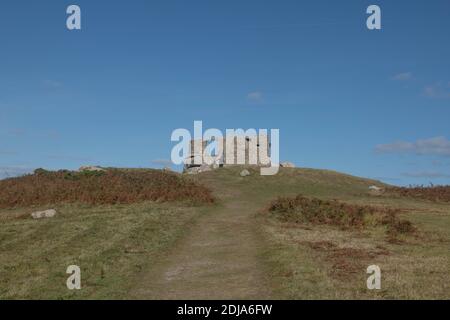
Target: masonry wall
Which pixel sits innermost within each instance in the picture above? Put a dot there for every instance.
(249, 146)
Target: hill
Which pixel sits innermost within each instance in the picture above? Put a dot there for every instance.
(236, 247)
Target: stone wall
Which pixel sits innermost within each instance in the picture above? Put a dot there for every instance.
(249, 147)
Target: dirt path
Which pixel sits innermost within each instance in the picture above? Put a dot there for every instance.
(218, 259)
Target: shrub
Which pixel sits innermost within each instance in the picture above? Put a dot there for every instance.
(432, 193)
(301, 209)
(107, 187)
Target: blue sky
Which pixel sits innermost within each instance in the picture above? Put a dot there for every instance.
(368, 103)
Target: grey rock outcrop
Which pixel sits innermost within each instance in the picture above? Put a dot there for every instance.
(287, 165)
(91, 168)
(44, 214)
(245, 173)
(197, 170)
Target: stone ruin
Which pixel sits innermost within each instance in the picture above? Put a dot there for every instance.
(236, 150)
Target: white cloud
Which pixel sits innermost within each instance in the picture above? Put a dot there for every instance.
(255, 96)
(433, 146)
(14, 171)
(429, 91)
(426, 174)
(18, 132)
(404, 76)
(437, 91)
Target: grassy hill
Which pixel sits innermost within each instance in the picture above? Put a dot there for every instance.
(227, 245)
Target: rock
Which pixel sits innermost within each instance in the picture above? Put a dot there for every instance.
(245, 173)
(91, 168)
(205, 167)
(191, 170)
(196, 170)
(44, 214)
(167, 169)
(376, 191)
(287, 165)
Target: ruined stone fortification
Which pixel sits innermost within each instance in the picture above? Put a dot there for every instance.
(235, 150)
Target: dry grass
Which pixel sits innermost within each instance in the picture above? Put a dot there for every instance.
(112, 244)
(432, 193)
(116, 245)
(302, 209)
(113, 186)
(344, 262)
(325, 262)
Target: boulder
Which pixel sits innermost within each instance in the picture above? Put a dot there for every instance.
(192, 170)
(245, 173)
(196, 170)
(44, 214)
(287, 165)
(376, 191)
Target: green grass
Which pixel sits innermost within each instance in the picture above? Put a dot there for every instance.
(415, 267)
(117, 245)
(111, 244)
